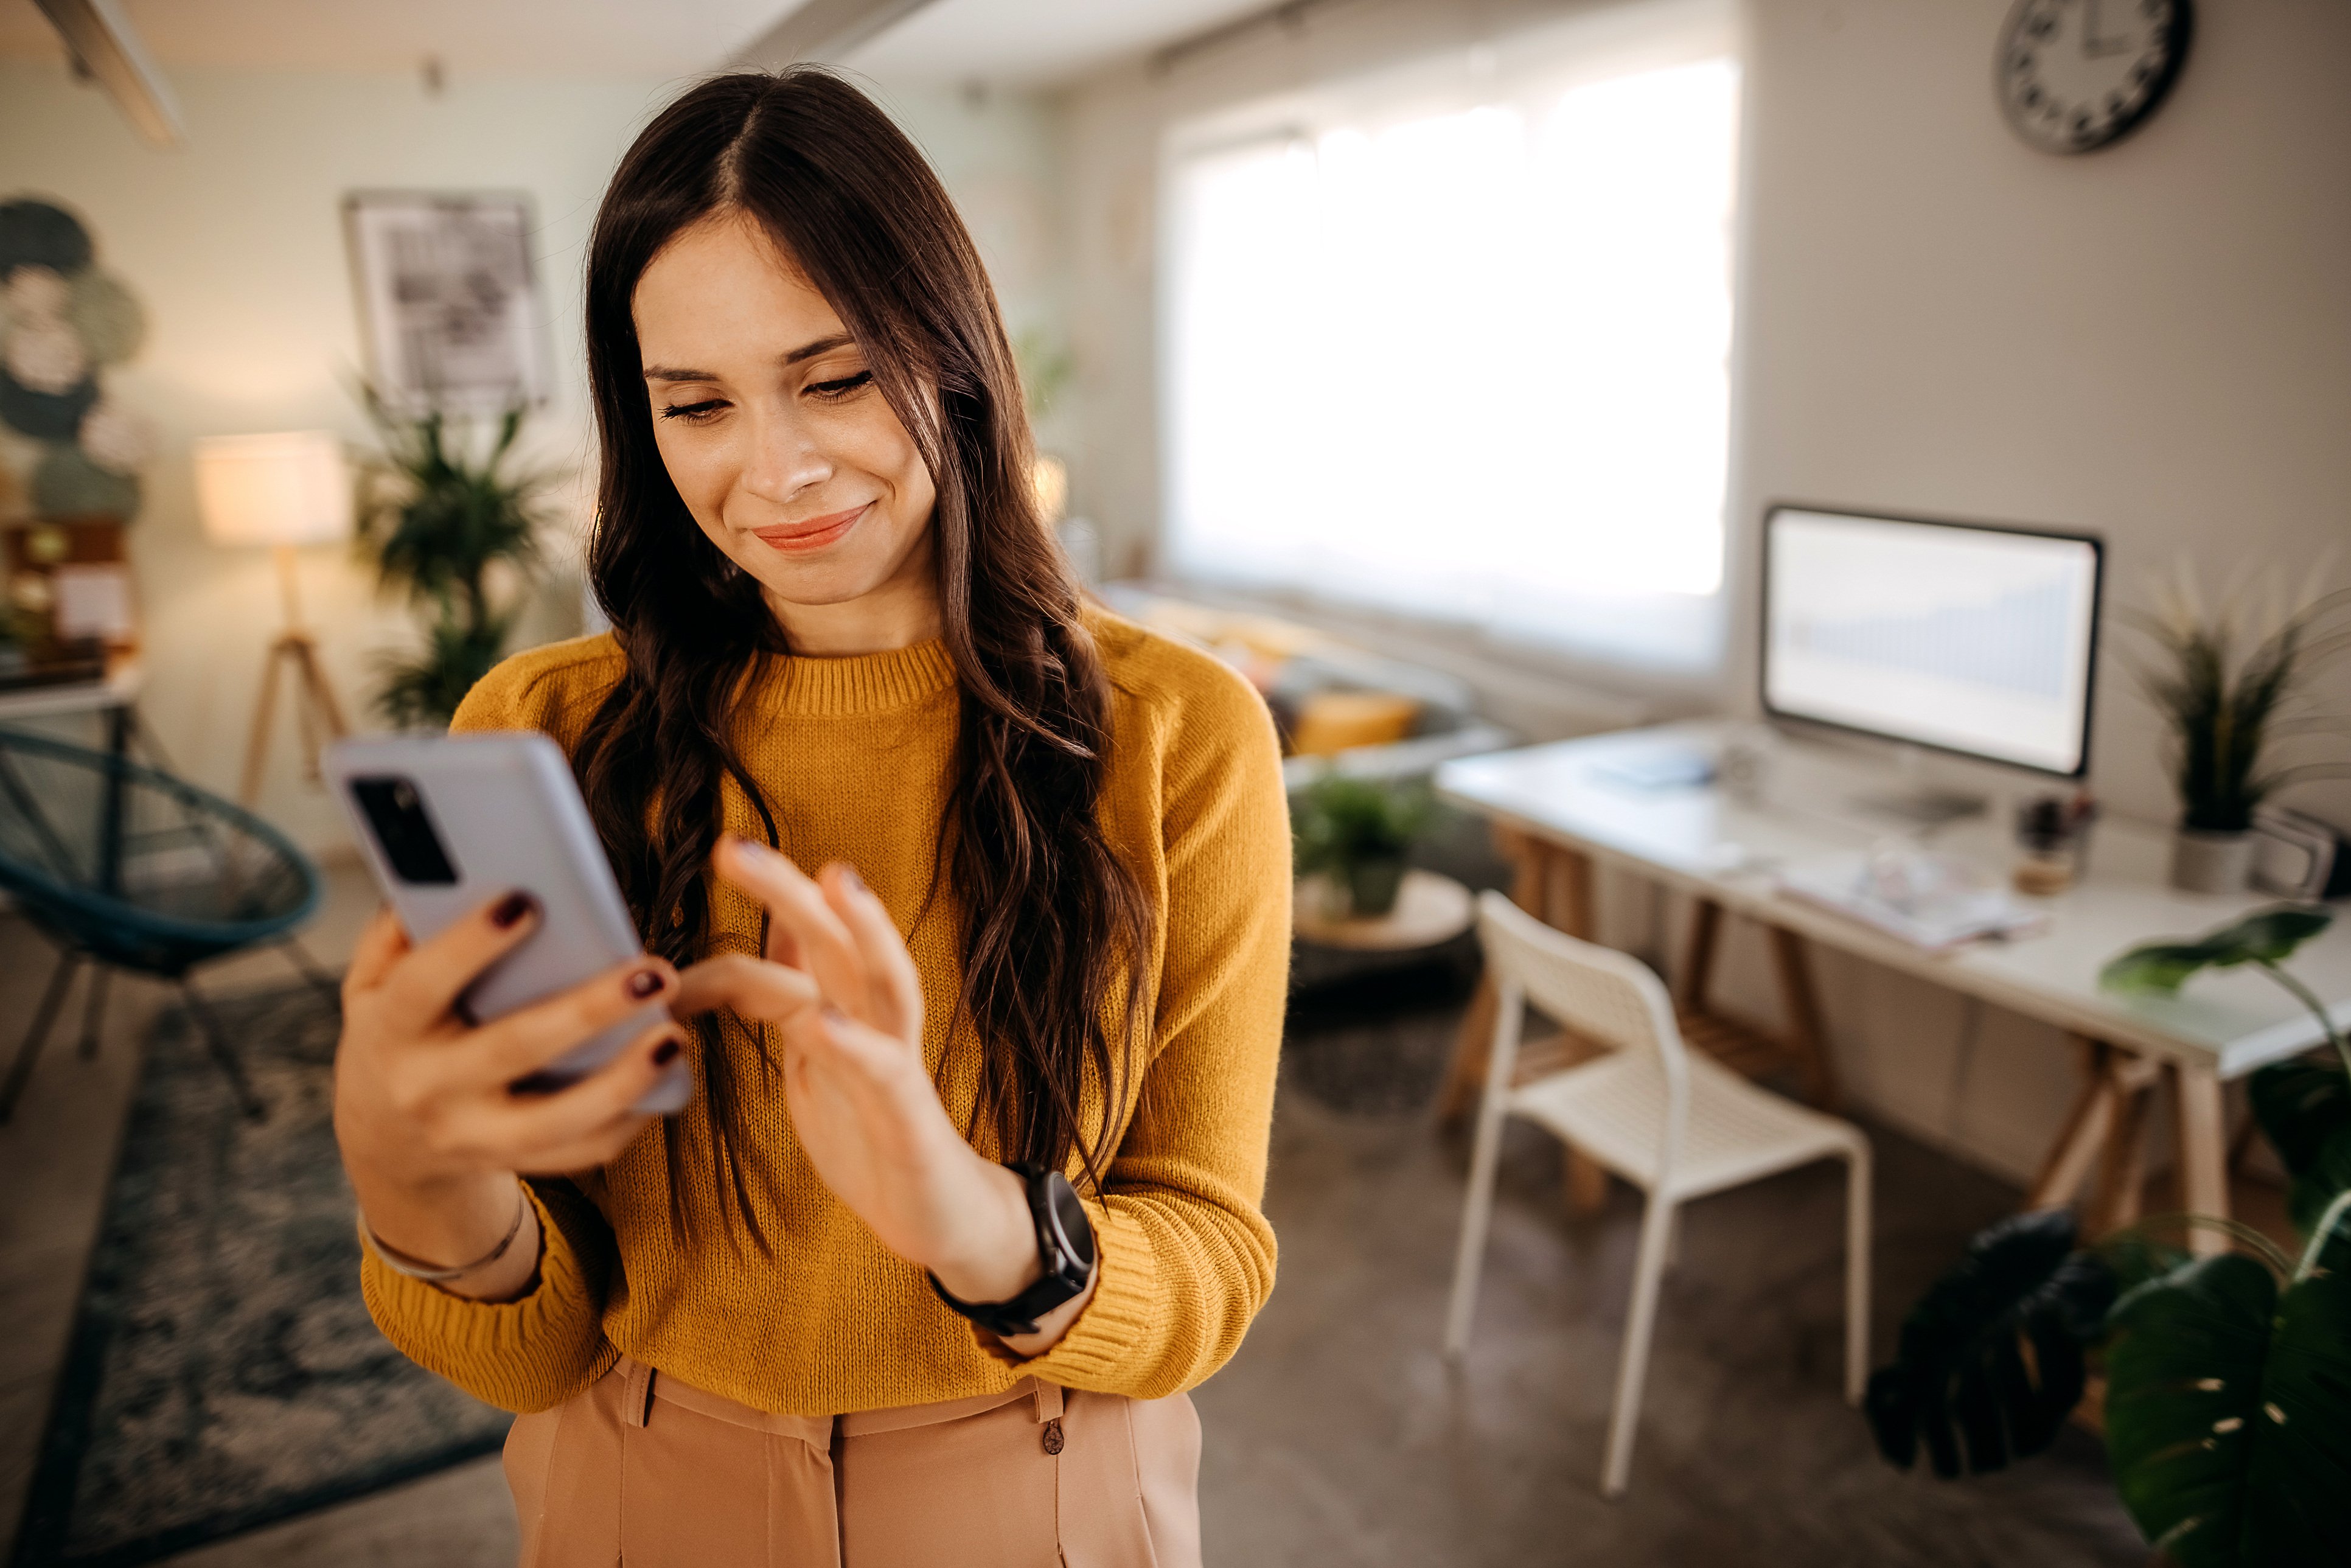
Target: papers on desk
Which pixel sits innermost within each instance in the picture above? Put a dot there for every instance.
(1929, 900)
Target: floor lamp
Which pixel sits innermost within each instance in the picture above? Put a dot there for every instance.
(281, 491)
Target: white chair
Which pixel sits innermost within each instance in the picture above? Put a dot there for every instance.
(1675, 1124)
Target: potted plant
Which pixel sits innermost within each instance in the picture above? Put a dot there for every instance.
(2228, 1379)
(1355, 833)
(2230, 711)
(444, 516)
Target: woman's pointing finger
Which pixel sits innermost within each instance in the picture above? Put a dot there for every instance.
(797, 907)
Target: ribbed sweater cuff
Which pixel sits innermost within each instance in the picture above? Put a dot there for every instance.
(1100, 1351)
(529, 1353)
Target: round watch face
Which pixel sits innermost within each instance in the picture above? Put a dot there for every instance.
(1077, 1233)
(2077, 75)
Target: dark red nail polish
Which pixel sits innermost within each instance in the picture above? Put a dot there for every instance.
(645, 982)
(665, 1052)
(511, 909)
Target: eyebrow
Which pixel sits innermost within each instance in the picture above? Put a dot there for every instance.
(804, 351)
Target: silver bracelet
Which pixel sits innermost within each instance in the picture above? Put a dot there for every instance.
(402, 1264)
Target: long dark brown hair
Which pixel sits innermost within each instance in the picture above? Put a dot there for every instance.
(1052, 921)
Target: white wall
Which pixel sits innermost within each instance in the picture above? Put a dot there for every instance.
(2153, 342)
(1001, 155)
(235, 246)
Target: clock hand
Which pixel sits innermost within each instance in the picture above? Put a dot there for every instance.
(2094, 45)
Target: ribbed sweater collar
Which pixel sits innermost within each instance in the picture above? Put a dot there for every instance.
(865, 684)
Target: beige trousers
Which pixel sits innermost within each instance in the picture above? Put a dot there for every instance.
(645, 1471)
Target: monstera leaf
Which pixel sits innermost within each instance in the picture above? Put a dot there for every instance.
(2266, 936)
(2304, 1107)
(1992, 1358)
(2228, 1415)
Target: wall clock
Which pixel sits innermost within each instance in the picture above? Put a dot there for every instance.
(2074, 76)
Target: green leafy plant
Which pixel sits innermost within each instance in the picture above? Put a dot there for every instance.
(2227, 1399)
(2304, 1107)
(1357, 831)
(1994, 1356)
(2231, 703)
(440, 513)
(2227, 1378)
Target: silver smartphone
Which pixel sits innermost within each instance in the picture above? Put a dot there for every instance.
(450, 823)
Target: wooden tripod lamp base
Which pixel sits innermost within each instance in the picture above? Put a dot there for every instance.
(315, 709)
(280, 490)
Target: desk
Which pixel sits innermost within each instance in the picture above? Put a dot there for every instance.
(114, 695)
(1558, 815)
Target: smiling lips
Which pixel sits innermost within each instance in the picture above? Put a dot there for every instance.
(814, 534)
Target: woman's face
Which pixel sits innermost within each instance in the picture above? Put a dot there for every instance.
(771, 427)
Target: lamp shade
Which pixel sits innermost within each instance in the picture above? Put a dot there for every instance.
(285, 489)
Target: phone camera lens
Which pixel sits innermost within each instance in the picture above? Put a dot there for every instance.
(395, 814)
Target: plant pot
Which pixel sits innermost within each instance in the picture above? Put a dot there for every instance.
(2206, 862)
(1371, 884)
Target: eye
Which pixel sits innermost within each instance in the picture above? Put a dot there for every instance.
(694, 413)
(842, 387)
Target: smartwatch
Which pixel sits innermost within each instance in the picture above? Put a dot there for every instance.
(1065, 1245)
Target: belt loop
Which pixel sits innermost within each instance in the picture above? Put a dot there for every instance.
(637, 1394)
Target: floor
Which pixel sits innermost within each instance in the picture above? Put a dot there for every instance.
(1339, 1436)
(58, 1150)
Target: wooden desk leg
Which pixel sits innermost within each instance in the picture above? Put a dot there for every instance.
(2084, 1132)
(2122, 1176)
(2241, 1142)
(1569, 885)
(1586, 1182)
(1805, 1034)
(2203, 1153)
(1465, 1073)
(1705, 930)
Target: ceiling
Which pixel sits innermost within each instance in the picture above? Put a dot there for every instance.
(1034, 43)
(1010, 42)
(585, 38)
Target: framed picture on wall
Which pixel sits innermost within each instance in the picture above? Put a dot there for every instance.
(450, 312)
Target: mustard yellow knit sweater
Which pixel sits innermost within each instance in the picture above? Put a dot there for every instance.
(853, 755)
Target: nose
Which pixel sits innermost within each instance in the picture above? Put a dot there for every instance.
(784, 461)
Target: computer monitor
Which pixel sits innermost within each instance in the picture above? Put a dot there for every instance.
(1965, 637)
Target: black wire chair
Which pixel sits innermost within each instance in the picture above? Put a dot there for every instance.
(126, 867)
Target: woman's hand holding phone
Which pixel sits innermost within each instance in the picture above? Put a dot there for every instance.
(433, 1135)
(837, 982)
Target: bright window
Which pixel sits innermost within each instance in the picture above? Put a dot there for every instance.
(1456, 342)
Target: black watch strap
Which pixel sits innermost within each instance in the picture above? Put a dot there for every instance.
(1065, 1246)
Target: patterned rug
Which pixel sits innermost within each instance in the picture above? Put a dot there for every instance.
(222, 1372)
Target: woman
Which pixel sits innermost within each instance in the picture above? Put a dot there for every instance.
(844, 1308)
